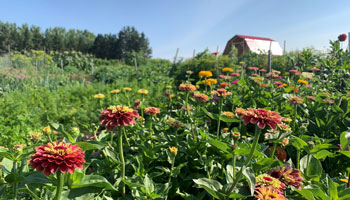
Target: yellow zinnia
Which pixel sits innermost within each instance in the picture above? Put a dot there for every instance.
(115, 91)
(210, 81)
(173, 150)
(303, 82)
(99, 96)
(205, 74)
(143, 91)
(127, 89)
(227, 69)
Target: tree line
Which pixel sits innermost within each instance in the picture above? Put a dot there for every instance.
(110, 46)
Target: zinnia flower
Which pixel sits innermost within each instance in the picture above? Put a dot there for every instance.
(116, 91)
(235, 74)
(294, 71)
(262, 70)
(142, 91)
(201, 97)
(224, 85)
(228, 114)
(329, 101)
(152, 111)
(303, 82)
(295, 100)
(35, 136)
(53, 156)
(315, 69)
(288, 176)
(205, 74)
(284, 142)
(221, 92)
(175, 123)
(342, 37)
(117, 116)
(269, 181)
(268, 193)
(240, 111)
(261, 117)
(127, 89)
(187, 87)
(280, 153)
(168, 87)
(254, 68)
(173, 150)
(47, 130)
(210, 81)
(234, 82)
(99, 96)
(227, 69)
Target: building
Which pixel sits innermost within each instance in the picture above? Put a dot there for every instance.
(258, 45)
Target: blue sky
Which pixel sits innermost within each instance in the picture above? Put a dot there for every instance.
(192, 24)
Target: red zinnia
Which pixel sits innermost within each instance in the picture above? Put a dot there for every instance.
(288, 176)
(201, 97)
(262, 117)
(254, 68)
(117, 116)
(315, 69)
(223, 85)
(342, 37)
(53, 156)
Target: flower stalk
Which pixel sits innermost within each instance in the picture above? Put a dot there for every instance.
(220, 110)
(60, 183)
(122, 158)
(250, 156)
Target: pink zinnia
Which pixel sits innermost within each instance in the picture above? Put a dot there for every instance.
(222, 76)
(235, 74)
(263, 70)
(277, 83)
(294, 71)
(254, 68)
(201, 97)
(53, 156)
(288, 176)
(234, 82)
(262, 118)
(315, 69)
(117, 116)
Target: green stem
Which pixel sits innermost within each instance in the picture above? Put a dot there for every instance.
(60, 179)
(122, 159)
(234, 166)
(32, 193)
(112, 134)
(220, 110)
(273, 150)
(250, 156)
(172, 168)
(15, 184)
(126, 138)
(298, 159)
(189, 116)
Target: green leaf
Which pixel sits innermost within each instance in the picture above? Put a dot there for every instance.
(220, 145)
(264, 164)
(14, 178)
(149, 185)
(320, 147)
(346, 153)
(94, 181)
(211, 115)
(66, 134)
(322, 154)
(310, 166)
(308, 195)
(213, 187)
(90, 145)
(36, 178)
(332, 188)
(343, 141)
(229, 119)
(250, 177)
(8, 156)
(298, 143)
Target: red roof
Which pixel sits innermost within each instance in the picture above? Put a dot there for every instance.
(253, 37)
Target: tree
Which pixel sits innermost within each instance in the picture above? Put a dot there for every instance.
(37, 37)
(130, 40)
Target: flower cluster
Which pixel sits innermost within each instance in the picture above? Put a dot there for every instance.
(205, 74)
(117, 116)
(260, 117)
(187, 87)
(175, 123)
(152, 111)
(269, 181)
(268, 193)
(53, 156)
